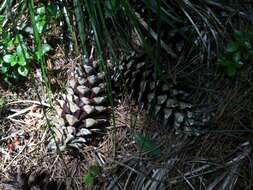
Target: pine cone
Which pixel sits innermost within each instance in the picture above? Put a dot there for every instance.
(82, 110)
(165, 100)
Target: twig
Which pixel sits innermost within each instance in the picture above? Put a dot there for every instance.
(29, 101)
(18, 121)
(22, 111)
(36, 115)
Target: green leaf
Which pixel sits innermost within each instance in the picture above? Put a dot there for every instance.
(4, 69)
(41, 10)
(40, 18)
(22, 55)
(40, 27)
(88, 180)
(93, 172)
(19, 50)
(53, 10)
(22, 61)
(23, 71)
(18, 38)
(147, 145)
(5, 38)
(10, 58)
(232, 47)
(2, 18)
(45, 48)
(39, 54)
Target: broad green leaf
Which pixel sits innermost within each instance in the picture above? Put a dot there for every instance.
(41, 10)
(40, 22)
(22, 55)
(40, 18)
(37, 18)
(45, 48)
(2, 17)
(19, 50)
(40, 26)
(4, 69)
(5, 38)
(93, 172)
(88, 180)
(18, 38)
(9, 58)
(22, 61)
(53, 10)
(147, 145)
(23, 71)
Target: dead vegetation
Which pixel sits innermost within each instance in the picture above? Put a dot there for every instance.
(220, 158)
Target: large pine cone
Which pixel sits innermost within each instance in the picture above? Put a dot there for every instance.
(166, 101)
(82, 111)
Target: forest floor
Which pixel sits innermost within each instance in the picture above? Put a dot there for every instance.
(217, 158)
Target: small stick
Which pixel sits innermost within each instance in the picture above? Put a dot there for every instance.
(21, 111)
(29, 101)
